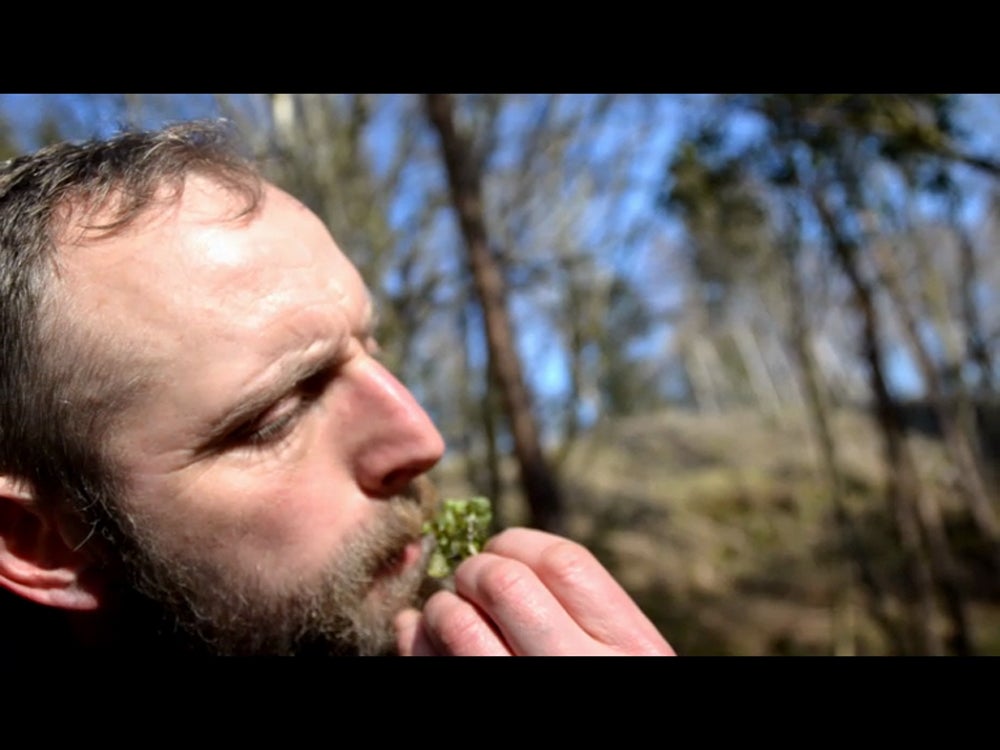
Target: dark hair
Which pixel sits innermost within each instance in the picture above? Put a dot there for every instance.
(60, 389)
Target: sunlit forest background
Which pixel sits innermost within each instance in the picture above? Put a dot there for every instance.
(742, 346)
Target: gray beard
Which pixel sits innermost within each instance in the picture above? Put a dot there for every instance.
(192, 606)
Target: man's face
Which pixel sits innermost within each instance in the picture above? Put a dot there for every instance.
(269, 466)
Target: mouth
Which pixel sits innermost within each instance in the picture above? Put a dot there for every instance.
(405, 558)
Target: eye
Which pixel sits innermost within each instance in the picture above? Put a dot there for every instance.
(270, 431)
(279, 423)
(274, 430)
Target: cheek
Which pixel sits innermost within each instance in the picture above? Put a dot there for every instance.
(280, 521)
(299, 510)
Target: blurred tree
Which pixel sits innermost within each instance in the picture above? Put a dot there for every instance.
(312, 145)
(463, 166)
(814, 156)
(737, 242)
(834, 232)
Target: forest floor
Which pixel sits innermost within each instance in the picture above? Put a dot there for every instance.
(723, 532)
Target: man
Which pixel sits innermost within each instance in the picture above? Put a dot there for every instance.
(199, 450)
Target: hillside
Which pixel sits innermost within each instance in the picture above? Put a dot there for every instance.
(720, 529)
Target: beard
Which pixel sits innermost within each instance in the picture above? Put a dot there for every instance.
(194, 606)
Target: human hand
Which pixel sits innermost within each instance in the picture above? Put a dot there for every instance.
(530, 593)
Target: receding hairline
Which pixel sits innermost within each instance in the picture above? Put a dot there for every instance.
(82, 218)
(105, 372)
(58, 376)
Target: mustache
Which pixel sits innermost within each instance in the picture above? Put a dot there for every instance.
(422, 491)
(400, 523)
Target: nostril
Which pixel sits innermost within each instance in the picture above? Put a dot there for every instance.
(395, 481)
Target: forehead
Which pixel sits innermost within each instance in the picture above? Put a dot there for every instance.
(194, 267)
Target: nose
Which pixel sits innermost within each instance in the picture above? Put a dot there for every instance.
(394, 440)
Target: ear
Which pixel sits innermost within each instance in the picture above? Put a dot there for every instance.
(36, 561)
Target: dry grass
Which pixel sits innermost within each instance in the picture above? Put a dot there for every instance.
(720, 528)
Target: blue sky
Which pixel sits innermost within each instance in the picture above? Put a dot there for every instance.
(97, 115)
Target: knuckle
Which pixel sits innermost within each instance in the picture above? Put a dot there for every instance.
(503, 579)
(566, 562)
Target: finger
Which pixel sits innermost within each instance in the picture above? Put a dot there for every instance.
(411, 636)
(530, 619)
(455, 626)
(588, 592)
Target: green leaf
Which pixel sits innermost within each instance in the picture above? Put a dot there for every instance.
(460, 530)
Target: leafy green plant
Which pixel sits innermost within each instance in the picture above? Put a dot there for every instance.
(460, 529)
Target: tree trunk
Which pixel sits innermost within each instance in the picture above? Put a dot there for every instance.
(914, 520)
(488, 409)
(875, 588)
(767, 396)
(538, 483)
(958, 445)
(976, 345)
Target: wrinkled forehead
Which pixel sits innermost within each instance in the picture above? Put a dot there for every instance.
(198, 266)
